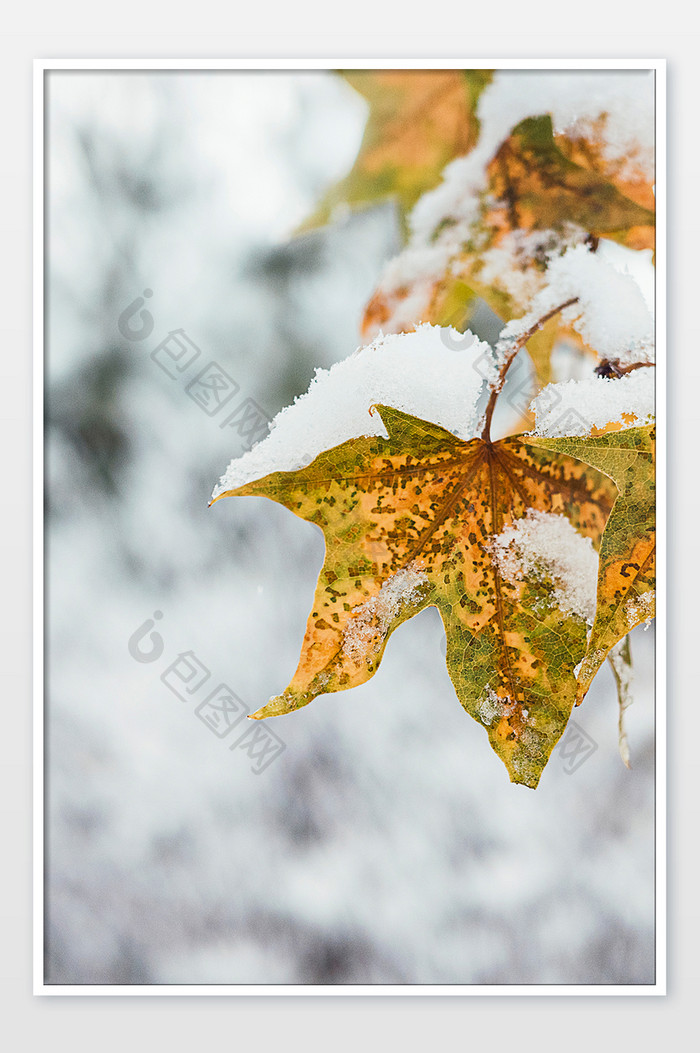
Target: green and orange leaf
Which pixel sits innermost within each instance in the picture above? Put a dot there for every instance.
(540, 186)
(408, 523)
(627, 567)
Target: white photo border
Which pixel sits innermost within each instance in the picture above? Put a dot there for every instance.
(40, 987)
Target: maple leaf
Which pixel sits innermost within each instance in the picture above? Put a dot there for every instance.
(538, 186)
(627, 566)
(411, 521)
(418, 121)
(588, 151)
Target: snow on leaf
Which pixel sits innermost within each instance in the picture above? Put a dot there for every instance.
(429, 373)
(539, 187)
(369, 623)
(610, 312)
(582, 407)
(606, 118)
(627, 559)
(408, 519)
(546, 547)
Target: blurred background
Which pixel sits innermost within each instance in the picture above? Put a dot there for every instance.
(384, 842)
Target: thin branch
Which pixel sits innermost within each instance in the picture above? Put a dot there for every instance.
(620, 659)
(517, 346)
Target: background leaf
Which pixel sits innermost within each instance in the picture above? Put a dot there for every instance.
(541, 194)
(419, 120)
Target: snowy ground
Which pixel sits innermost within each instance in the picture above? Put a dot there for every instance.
(385, 844)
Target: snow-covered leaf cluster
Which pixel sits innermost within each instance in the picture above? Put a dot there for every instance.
(391, 453)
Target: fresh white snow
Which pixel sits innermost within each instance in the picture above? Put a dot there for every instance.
(638, 607)
(546, 545)
(577, 407)
(611, 314)
(367, 629)
(419, 373)
(509, 265)
(492, 707)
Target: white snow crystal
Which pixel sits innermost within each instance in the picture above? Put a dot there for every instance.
(576, 407)
(637, 262)
(370, 622)
(411, 276)
(611, 314)
(431, 373)
(640, 607)
(611, 311)
(546, 545)
(415, 265)
(491, 706)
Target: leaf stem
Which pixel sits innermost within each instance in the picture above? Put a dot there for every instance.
(512, 352)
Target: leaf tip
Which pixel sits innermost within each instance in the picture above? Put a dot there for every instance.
(276, 707)
(529, 780)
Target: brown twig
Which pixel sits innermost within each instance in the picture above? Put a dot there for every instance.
(517, 346)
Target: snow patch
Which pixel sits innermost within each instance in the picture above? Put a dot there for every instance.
(577, 407)
(419, 373)
(370, 622)
(491, 707)
(510, 263)
(611, 314)
(544, 545)
(640, 608)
